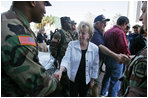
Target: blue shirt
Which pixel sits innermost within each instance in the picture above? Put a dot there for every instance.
(132, 36)
(98, 39)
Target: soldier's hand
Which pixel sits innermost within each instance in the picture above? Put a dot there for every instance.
(122, 58)
(58, 75)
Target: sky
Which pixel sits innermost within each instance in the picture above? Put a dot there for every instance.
(80, 10)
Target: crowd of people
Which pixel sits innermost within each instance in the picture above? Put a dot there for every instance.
(80, 52)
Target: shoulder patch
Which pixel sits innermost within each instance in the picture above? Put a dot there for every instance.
(26, 40)
(17, 29)
(140, 68)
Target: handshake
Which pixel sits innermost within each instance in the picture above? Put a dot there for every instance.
(58, 74)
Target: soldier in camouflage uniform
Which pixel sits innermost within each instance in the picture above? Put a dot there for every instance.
(22, 74)
(135, 80)
(60, 39)
(73, 30)
(58, 46)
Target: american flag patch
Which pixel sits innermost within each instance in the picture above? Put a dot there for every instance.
(26, 40)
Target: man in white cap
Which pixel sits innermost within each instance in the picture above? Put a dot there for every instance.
(98, 39)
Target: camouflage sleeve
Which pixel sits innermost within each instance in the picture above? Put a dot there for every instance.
(20, 63)
(55, 43)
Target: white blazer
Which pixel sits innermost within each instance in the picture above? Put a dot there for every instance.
(72, 58)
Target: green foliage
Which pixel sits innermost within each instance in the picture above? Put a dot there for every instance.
(46, 20)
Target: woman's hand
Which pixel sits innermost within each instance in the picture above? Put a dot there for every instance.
(58, 75)
(91, 83)
(122, 58)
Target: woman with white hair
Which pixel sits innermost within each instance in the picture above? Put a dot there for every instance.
(81, 62)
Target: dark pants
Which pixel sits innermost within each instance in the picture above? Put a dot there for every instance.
(78, 89)
(65, 84)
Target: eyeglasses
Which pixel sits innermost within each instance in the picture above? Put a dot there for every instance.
(102, 22)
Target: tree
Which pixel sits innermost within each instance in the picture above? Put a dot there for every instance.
(114, 19)
(46, 20)
(90, 17)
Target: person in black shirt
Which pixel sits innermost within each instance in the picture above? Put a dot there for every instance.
(42, 39)
(139, 42)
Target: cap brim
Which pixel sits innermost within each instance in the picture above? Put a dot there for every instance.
(73, 23)
(107, 19)
(47, 3)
